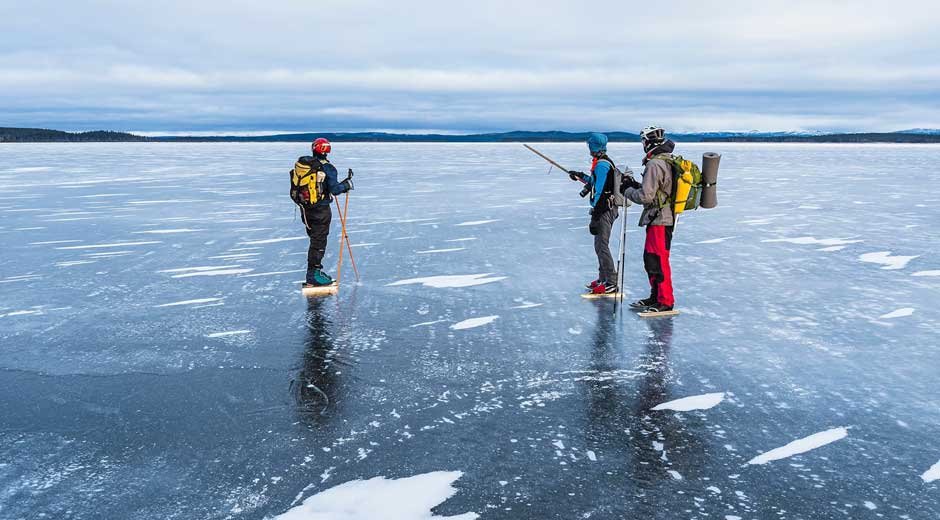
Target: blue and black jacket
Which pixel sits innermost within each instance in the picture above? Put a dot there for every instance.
(601, 177)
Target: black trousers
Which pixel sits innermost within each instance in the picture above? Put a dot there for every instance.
(317, 220)
(601, 228)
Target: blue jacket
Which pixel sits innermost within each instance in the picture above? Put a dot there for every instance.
(333, 185)
(597, 180)
(597, 142)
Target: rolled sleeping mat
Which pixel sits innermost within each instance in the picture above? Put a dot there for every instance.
(710, 162)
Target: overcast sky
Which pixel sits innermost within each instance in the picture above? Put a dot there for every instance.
(332, 65)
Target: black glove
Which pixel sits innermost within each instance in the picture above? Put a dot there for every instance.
(348, 184)
(575, 176)
(349, 173)
(630, 182)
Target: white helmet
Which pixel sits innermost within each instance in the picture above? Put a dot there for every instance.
(651, 137)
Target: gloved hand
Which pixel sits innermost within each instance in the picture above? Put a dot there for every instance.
(349, 173)
(630, 182)
(575, 175)
(348, 184)
(591, 212)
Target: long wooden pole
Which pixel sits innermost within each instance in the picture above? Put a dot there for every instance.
(339, 265)
(547, 158)
(352, 260)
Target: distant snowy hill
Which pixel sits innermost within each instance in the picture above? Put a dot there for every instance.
(920, 131)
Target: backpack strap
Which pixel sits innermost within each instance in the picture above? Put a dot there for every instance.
(662, 198)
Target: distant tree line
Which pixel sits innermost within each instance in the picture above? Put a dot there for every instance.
(39, 135)
(832, 138)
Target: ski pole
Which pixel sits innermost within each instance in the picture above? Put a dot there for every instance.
(623, 249)
(348, 246)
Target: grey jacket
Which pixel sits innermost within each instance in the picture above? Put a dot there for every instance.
(657, 178)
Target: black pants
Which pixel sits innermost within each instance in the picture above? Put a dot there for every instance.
(601, 227)
(317, 220)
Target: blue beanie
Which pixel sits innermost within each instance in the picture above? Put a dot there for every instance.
(597, 142)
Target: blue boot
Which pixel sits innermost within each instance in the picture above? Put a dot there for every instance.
(320, 278)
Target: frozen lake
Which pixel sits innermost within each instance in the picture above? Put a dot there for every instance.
(158, 361)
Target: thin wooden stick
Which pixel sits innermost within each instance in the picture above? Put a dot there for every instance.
(339, 266)
(348, 247)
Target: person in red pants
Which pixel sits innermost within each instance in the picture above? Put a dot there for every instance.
(654, 194)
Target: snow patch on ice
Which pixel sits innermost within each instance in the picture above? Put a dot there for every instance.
(695, 402)
(219, 272)
(715, 240)
(116, 244)
(271, 241)
(166, 231)
(932, 474)
(410, 498)
(447, 281)
(189, 302)
(900, 313)
(674, 474)
(228, 333)
(197, 268)
(273, 273)
(803, 445)
(927, 273)
(448, 250)
(426, 323)
(473, 322)
(885, 258)
(477, 222)
(814, 241)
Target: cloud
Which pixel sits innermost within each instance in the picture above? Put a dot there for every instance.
(477, 66)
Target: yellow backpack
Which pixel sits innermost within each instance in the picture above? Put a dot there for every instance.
(307, 181)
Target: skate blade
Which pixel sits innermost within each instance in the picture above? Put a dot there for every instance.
(662, 314)
(322, 290)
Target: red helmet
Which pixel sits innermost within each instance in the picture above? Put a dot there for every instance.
(321, 146)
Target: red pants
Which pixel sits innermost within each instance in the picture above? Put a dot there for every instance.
(656, 262)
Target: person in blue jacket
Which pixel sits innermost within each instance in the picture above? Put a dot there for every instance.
(317, 214)
(600, 186)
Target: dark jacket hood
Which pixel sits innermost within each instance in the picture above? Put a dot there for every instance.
(667, 147)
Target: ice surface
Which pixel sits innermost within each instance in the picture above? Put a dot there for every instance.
(927, 273)
(814, 241)
(440, 282)
(803, 445)
(237, 397)
(694, 402)
(409, 498)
